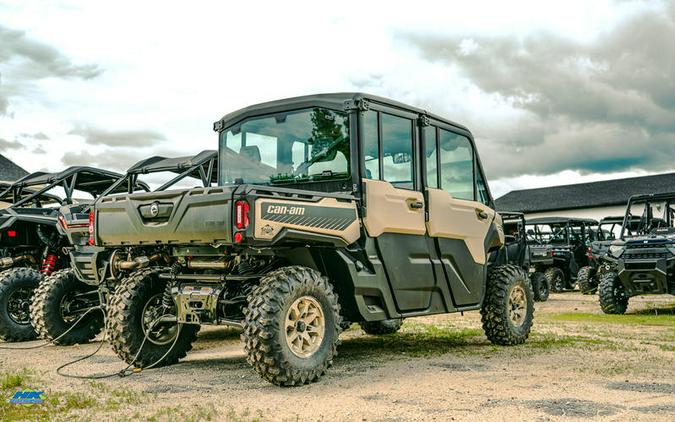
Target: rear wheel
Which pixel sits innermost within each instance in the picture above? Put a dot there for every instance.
(60, 301)
(540, 286)
(291, 326)
(388, 326)
(586, 280)
(556, 279)
(135, 326)
(508, 307)
(17, 286)
(613, 297)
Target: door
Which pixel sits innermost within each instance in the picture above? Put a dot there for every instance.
(462, 228)
(395, 208)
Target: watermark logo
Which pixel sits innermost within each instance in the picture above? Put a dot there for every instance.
(28, 397)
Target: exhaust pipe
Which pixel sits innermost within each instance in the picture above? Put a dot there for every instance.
(137, 263)
(11, 261)
(208, 265)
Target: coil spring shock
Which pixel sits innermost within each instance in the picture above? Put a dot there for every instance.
(49, 264)
(167, 298)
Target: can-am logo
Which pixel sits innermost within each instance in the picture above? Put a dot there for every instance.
(285, 209)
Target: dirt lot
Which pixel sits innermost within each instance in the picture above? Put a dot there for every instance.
(578, 364)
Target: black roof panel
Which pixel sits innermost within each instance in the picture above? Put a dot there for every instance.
(584, 195)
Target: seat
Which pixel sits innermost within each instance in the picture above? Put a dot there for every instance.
(252, 152)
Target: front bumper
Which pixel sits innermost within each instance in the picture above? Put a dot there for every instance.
(645, 276)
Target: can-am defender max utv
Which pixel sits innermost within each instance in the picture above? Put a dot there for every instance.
(46, 315)
(644, 263)
(31, 245)
(330, 208)
(517, 251)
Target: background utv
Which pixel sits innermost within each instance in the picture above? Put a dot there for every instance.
(330, 209)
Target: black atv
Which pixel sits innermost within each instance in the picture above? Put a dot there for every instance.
(518, 252)
(75, 225)
(569, 239)
(31, 246)
(645, 262)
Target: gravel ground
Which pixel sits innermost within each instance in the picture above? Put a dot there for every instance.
(578, 364)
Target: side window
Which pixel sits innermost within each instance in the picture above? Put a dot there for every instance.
(397, 151)
(371, 152)
(431, 156)
(481, 188)
(456, 165)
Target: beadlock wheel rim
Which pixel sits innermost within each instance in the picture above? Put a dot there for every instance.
(161, 333)
(305, 326)
(517, 306)
(18, 306)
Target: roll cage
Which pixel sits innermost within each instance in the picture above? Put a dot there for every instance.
(647, 221)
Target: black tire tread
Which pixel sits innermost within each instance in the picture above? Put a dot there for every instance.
(7, 278)
(494, 312)
(536, 279)
(550, 276)
(44, 317)
(261, 344)
(120, 334)
(585, 280)
(610, 302)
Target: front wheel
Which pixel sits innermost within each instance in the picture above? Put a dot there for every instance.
(17, 286)
(586, 280)
(139, 325)
(508, 307)
(612, 295)
(62, 310)
(556, 279)
(291, 326)
(540, 286)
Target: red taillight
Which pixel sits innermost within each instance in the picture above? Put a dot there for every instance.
(238, 237)
(11, 233)
(91, 228)
(241, 209)
(551, 253)
(588, 253)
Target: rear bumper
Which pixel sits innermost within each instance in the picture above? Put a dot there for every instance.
(645, 276)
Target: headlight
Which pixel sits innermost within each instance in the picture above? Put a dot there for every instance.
(615, 250)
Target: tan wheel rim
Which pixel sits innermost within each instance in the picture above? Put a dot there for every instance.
(305, 326)
(517, 306)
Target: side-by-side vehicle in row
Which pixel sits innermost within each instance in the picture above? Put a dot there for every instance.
(329, 209)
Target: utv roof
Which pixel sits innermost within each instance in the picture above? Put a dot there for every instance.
(612, 219)
(561, 220)
(337, 100)
(511, 214)
(89, 179)
(176, 165)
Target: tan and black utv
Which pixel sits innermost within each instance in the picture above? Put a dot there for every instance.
(330, 209)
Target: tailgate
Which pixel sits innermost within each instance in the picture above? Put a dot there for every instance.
(200, 215)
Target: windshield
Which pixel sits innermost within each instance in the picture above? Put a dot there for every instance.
(649, 217)
(301, 146)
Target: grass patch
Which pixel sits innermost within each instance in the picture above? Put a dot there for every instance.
(199, 413)
(663, 320)
(414, 339)
(12, 381)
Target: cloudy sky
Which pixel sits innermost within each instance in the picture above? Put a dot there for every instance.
(554, 94)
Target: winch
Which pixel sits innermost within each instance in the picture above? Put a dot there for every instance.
(197, 303)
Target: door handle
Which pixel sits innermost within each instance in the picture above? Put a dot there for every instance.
(417, 205)
(481, 214)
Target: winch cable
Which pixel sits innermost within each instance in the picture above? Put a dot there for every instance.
(54, 341)
(128, 369)
(122, 373)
